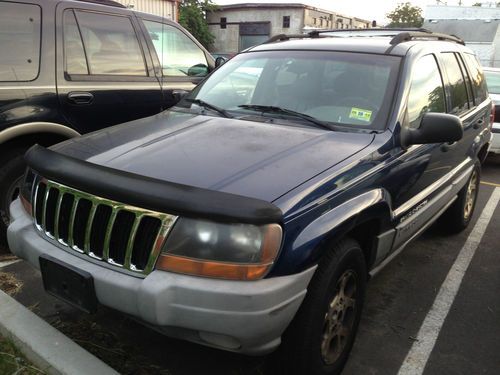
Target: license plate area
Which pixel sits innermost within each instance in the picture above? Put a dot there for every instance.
(68, 283)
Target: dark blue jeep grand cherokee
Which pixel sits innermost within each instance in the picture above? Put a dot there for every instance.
(252, 213)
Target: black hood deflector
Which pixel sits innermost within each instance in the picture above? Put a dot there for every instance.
(150, 193)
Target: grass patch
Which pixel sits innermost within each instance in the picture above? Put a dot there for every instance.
(13, 362)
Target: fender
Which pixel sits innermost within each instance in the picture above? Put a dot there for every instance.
(36, 127)
(375, 203)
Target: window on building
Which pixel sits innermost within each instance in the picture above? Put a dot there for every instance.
(111, 44)
(426, 90)
(286, 22)
(223, 22)
(19, 41)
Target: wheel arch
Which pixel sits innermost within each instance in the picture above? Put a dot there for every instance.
(362, 218)
(44, 133)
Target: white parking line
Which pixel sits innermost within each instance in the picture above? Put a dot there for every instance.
(421, 349)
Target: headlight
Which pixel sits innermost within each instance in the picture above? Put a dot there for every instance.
(229, 251)
(26, 191)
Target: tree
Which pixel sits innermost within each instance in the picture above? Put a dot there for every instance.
(192, 15)
(405, 15)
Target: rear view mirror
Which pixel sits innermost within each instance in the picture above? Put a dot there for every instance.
(219, 61)
(178, 95)
(198, 70)
(434, 128)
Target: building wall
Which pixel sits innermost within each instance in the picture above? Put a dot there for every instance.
(444, 12)
(301, 19)
(164, 8)
(227, 40)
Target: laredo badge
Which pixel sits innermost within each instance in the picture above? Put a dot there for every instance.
(360, 114)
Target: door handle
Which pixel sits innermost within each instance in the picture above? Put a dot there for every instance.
(80, 97)
(448, 146)
(478, 124)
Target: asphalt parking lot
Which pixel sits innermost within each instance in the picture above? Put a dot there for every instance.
(404, 303)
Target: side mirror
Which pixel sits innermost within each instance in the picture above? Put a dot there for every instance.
(219, 61)
(434, 128)
(178, 95)
(198, 70)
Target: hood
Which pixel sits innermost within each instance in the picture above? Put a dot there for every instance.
(249, 158)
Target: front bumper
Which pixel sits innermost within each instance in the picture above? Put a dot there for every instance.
(242, 316)
(495, 141)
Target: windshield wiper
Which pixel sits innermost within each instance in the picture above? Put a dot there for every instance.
(303, 116)
(204, 104)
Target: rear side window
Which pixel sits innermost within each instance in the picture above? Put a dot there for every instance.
(178, 54)
(458, 90)
(426, 90)
(477, 78)
(19, 41)
(74, 53)
(110, 43)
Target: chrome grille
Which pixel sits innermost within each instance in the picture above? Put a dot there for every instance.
(118, 234)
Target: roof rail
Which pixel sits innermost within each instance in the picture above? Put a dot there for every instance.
(411, 35)
(281, 37)
(382, 31)
(110, 3)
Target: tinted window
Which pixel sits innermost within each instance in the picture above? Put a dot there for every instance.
(351, 89)
(111, 44)
(178, 54)
(458, 90)
(74, 54)
(19, 41)
(426, 90)
(477, 78)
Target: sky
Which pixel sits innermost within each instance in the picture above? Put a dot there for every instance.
(366, 9)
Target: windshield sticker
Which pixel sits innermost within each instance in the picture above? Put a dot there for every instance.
(360, 114)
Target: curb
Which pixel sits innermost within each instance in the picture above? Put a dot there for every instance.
(45, 346)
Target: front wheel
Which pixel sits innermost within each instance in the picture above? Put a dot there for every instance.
(458, 216)
(319, 339)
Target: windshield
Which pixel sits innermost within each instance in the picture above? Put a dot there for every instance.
(341, 88)
(492, 81)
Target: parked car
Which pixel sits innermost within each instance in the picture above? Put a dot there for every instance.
(72, 67)
(250, 216)
(492, 76)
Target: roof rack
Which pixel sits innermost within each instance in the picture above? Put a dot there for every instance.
(110, 3)
(372, 31)
(398, 35)
(412, 35)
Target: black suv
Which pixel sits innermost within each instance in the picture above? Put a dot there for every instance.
(71, 67)
(251, 214)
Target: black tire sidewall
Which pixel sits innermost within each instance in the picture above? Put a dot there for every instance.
(302, 341)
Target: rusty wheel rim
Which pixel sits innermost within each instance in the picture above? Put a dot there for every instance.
(339, 318)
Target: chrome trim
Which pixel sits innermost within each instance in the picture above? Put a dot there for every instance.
(430, 189)
(36, 127)
(167, 222)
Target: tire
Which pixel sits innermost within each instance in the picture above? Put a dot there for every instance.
(11, 173)
(458, 216)
(312, 343)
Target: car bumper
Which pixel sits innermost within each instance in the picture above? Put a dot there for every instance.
(242, 316)
(495, 142)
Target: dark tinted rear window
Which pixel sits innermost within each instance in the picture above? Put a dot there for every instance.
(458, 90)
(19, 41)
(477, 78)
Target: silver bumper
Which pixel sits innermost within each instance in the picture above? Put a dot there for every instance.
(245, 317)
